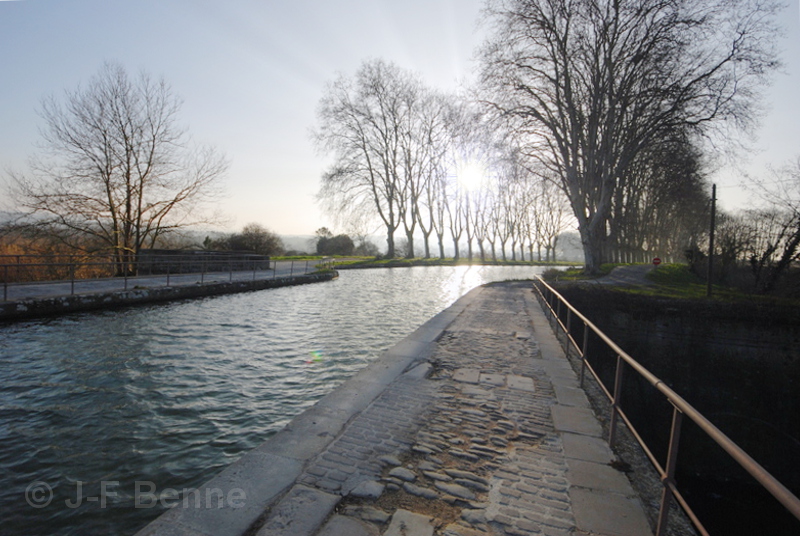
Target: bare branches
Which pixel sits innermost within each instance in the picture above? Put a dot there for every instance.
(590, 85)
(116, 166)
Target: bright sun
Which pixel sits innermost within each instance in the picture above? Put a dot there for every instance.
(470, 176)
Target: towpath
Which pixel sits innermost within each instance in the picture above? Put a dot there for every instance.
(474, 425)
(51, 289)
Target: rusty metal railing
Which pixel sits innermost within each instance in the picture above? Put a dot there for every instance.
(556, 307)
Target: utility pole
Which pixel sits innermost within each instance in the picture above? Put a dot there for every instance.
(711, 239)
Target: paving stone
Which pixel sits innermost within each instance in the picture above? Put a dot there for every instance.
(437, 476)
(347, 526)
(368, 490)
(455, 489)
(498, 380)
(390, 460)
(419, 491)
(520, 383)
(576, 420)
(477, 486)
(454, 529)
(571, 396)
(405, 523)
(403, 474)
(473, 516)
(598, 477)
(608, 513)
(590, 449)
(467, 375)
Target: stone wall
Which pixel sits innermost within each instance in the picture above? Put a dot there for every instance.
(25, 309)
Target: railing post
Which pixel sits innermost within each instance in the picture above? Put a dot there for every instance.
(168, 266)
(254, 269)
(583, 351)
(306, 267)
(291, 269)
(669, 478)
(567, 334)
(275, 270)
(71, 276)
(203, 272)
(230, 267)
(5, 283)
(612, 432)
(558, 315)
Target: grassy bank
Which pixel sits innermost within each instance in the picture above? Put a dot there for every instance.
(671, 281)
(351, 263)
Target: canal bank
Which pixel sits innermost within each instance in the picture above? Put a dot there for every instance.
(472, 424)
(90, 300)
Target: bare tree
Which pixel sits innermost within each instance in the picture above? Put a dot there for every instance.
(363, 123)
(777, 233)
(116, 168)
(589, 84)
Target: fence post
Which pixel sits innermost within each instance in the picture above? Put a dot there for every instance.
(612, 432)
(168, 266)
(275, 270)
(668, 478)
(254, 270)
(306, 267)
(71, 276)
(230, 268)
(5, 283)
(291, 269)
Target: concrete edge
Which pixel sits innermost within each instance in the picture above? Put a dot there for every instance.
(15, 311)
(267, 472)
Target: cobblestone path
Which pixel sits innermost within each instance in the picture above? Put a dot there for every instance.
(490, 436)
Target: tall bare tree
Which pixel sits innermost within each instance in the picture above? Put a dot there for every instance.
(589, 84)
(117, 171)
(363, 123)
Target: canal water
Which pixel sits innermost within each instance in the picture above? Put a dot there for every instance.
(168, 395)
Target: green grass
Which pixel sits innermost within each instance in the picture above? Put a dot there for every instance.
(435, 261)
(574, 273)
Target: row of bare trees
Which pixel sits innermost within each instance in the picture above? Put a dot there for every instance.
(611, 101)
(402, 154)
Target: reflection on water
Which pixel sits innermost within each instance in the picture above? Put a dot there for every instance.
(172, 393)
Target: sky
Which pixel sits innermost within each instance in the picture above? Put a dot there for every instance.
(251, 74)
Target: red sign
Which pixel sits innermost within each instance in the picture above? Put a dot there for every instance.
(656, 261)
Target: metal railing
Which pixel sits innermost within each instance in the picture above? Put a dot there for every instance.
(25, 276)
(564, 315)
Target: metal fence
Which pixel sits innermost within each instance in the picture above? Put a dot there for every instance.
(569, 322)
(30, 276)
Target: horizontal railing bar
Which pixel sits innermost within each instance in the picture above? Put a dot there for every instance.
(762, 476)
(632, 429)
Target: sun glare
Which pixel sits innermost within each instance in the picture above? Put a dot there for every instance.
(470, 176)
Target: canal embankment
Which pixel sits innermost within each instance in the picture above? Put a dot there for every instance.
(94, 297)
(473, 423)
